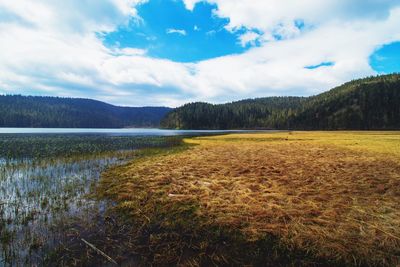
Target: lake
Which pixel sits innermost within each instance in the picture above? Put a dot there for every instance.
(118, 132)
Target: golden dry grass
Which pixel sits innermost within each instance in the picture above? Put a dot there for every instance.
(334, 195)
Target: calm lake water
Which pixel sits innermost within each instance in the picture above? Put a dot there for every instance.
(115, 132)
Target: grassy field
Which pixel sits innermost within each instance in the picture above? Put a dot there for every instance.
(293, 198)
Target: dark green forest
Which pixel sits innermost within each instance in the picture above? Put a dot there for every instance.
(371, 103)
(56, 112)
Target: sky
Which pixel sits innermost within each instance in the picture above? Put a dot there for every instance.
(170, 52)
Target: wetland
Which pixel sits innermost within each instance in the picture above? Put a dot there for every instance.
(48, 180)
(223, 199)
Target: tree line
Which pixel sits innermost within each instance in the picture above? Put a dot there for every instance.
(372, 103)
(57, 112)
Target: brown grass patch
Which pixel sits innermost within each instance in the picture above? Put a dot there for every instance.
(333, 195)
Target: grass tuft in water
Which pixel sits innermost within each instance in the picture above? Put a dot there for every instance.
(45, 182)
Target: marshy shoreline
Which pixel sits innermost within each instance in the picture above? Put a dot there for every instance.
(260, 199)
(46, 183)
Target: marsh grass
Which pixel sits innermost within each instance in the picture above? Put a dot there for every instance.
(35, 196)
(45, 191)
(39, 146)
(301, 198)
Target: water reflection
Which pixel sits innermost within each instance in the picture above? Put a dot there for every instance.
(35, 196)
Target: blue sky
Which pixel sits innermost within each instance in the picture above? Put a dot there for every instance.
(386, 59)
(168, 30)
(169, 52)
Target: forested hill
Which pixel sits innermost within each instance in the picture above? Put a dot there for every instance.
(33, 111)
(367, 104)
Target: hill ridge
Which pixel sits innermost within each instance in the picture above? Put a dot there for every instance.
(371, 103)
(63, 112)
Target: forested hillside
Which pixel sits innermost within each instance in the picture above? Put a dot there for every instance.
(365, 104)
(32, 111)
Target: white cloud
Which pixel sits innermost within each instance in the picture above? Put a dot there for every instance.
(249, 38)
(269, 14)
(190, 3)
(278, 67)
(180, 32)
(51, 47)
(129, 52)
